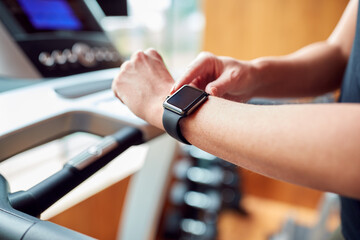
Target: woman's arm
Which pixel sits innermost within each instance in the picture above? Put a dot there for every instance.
(312, 145)
(310, 71)
(314, 69)
(317, 146)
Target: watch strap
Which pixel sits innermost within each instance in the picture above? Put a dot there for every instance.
(171, 124)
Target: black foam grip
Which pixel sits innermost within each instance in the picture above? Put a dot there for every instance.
(171, 124)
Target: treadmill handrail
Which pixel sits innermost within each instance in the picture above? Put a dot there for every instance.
(18, 211)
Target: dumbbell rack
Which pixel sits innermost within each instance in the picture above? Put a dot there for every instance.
(203, 186)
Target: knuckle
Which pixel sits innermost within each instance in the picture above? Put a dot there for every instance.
(152, 52)
(206, 55)
(235, 74)
(139, 55)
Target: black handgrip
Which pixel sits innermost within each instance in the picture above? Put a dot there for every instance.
(15, 225)
(40, 197)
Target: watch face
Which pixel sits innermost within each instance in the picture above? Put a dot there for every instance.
(186, 97)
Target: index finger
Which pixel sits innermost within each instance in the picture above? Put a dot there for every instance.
(200, 68)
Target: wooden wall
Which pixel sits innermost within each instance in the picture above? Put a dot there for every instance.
(251, 28)
(247, 29)
(99, 215)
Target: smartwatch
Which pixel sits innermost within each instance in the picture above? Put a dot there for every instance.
(179, 105)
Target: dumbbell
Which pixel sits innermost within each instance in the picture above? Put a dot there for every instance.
(218, 174)
(184, 170)
(178, 227)
(206, 160)
(230, 195)
(209, 201)
(197, 230)
(212, 177)
(231, 200)
(180, 168)
(231, 179)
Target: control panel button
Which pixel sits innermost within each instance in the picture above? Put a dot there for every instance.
(70, 56)
(81, 53)
(85, 55)
(108, 55)
(58, 57)
(46, 59)
(99, 55)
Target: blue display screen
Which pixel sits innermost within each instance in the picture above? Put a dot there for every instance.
(50, 14)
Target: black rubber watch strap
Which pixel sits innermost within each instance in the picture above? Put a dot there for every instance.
(172, 126)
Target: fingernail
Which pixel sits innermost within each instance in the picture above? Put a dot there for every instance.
(213, 91)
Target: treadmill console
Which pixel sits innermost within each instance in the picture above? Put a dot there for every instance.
(43, 38)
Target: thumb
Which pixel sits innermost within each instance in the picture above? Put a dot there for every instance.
(200, 68)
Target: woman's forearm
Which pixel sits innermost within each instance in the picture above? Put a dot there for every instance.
(311, 71)
(311, 145)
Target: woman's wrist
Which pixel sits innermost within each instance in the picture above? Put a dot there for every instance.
(261, 73)
(156, 110)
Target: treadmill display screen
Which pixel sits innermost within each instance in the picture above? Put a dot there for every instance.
(50, 14)
(40, 16)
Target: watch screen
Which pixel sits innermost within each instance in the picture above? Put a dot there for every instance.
(185, 97)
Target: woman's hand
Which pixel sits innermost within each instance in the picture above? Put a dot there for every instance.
(223, 77)
(143, 84)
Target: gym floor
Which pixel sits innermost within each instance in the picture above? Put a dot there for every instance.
(266, 217)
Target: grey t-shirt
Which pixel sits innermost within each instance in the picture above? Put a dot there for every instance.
(350, 92)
